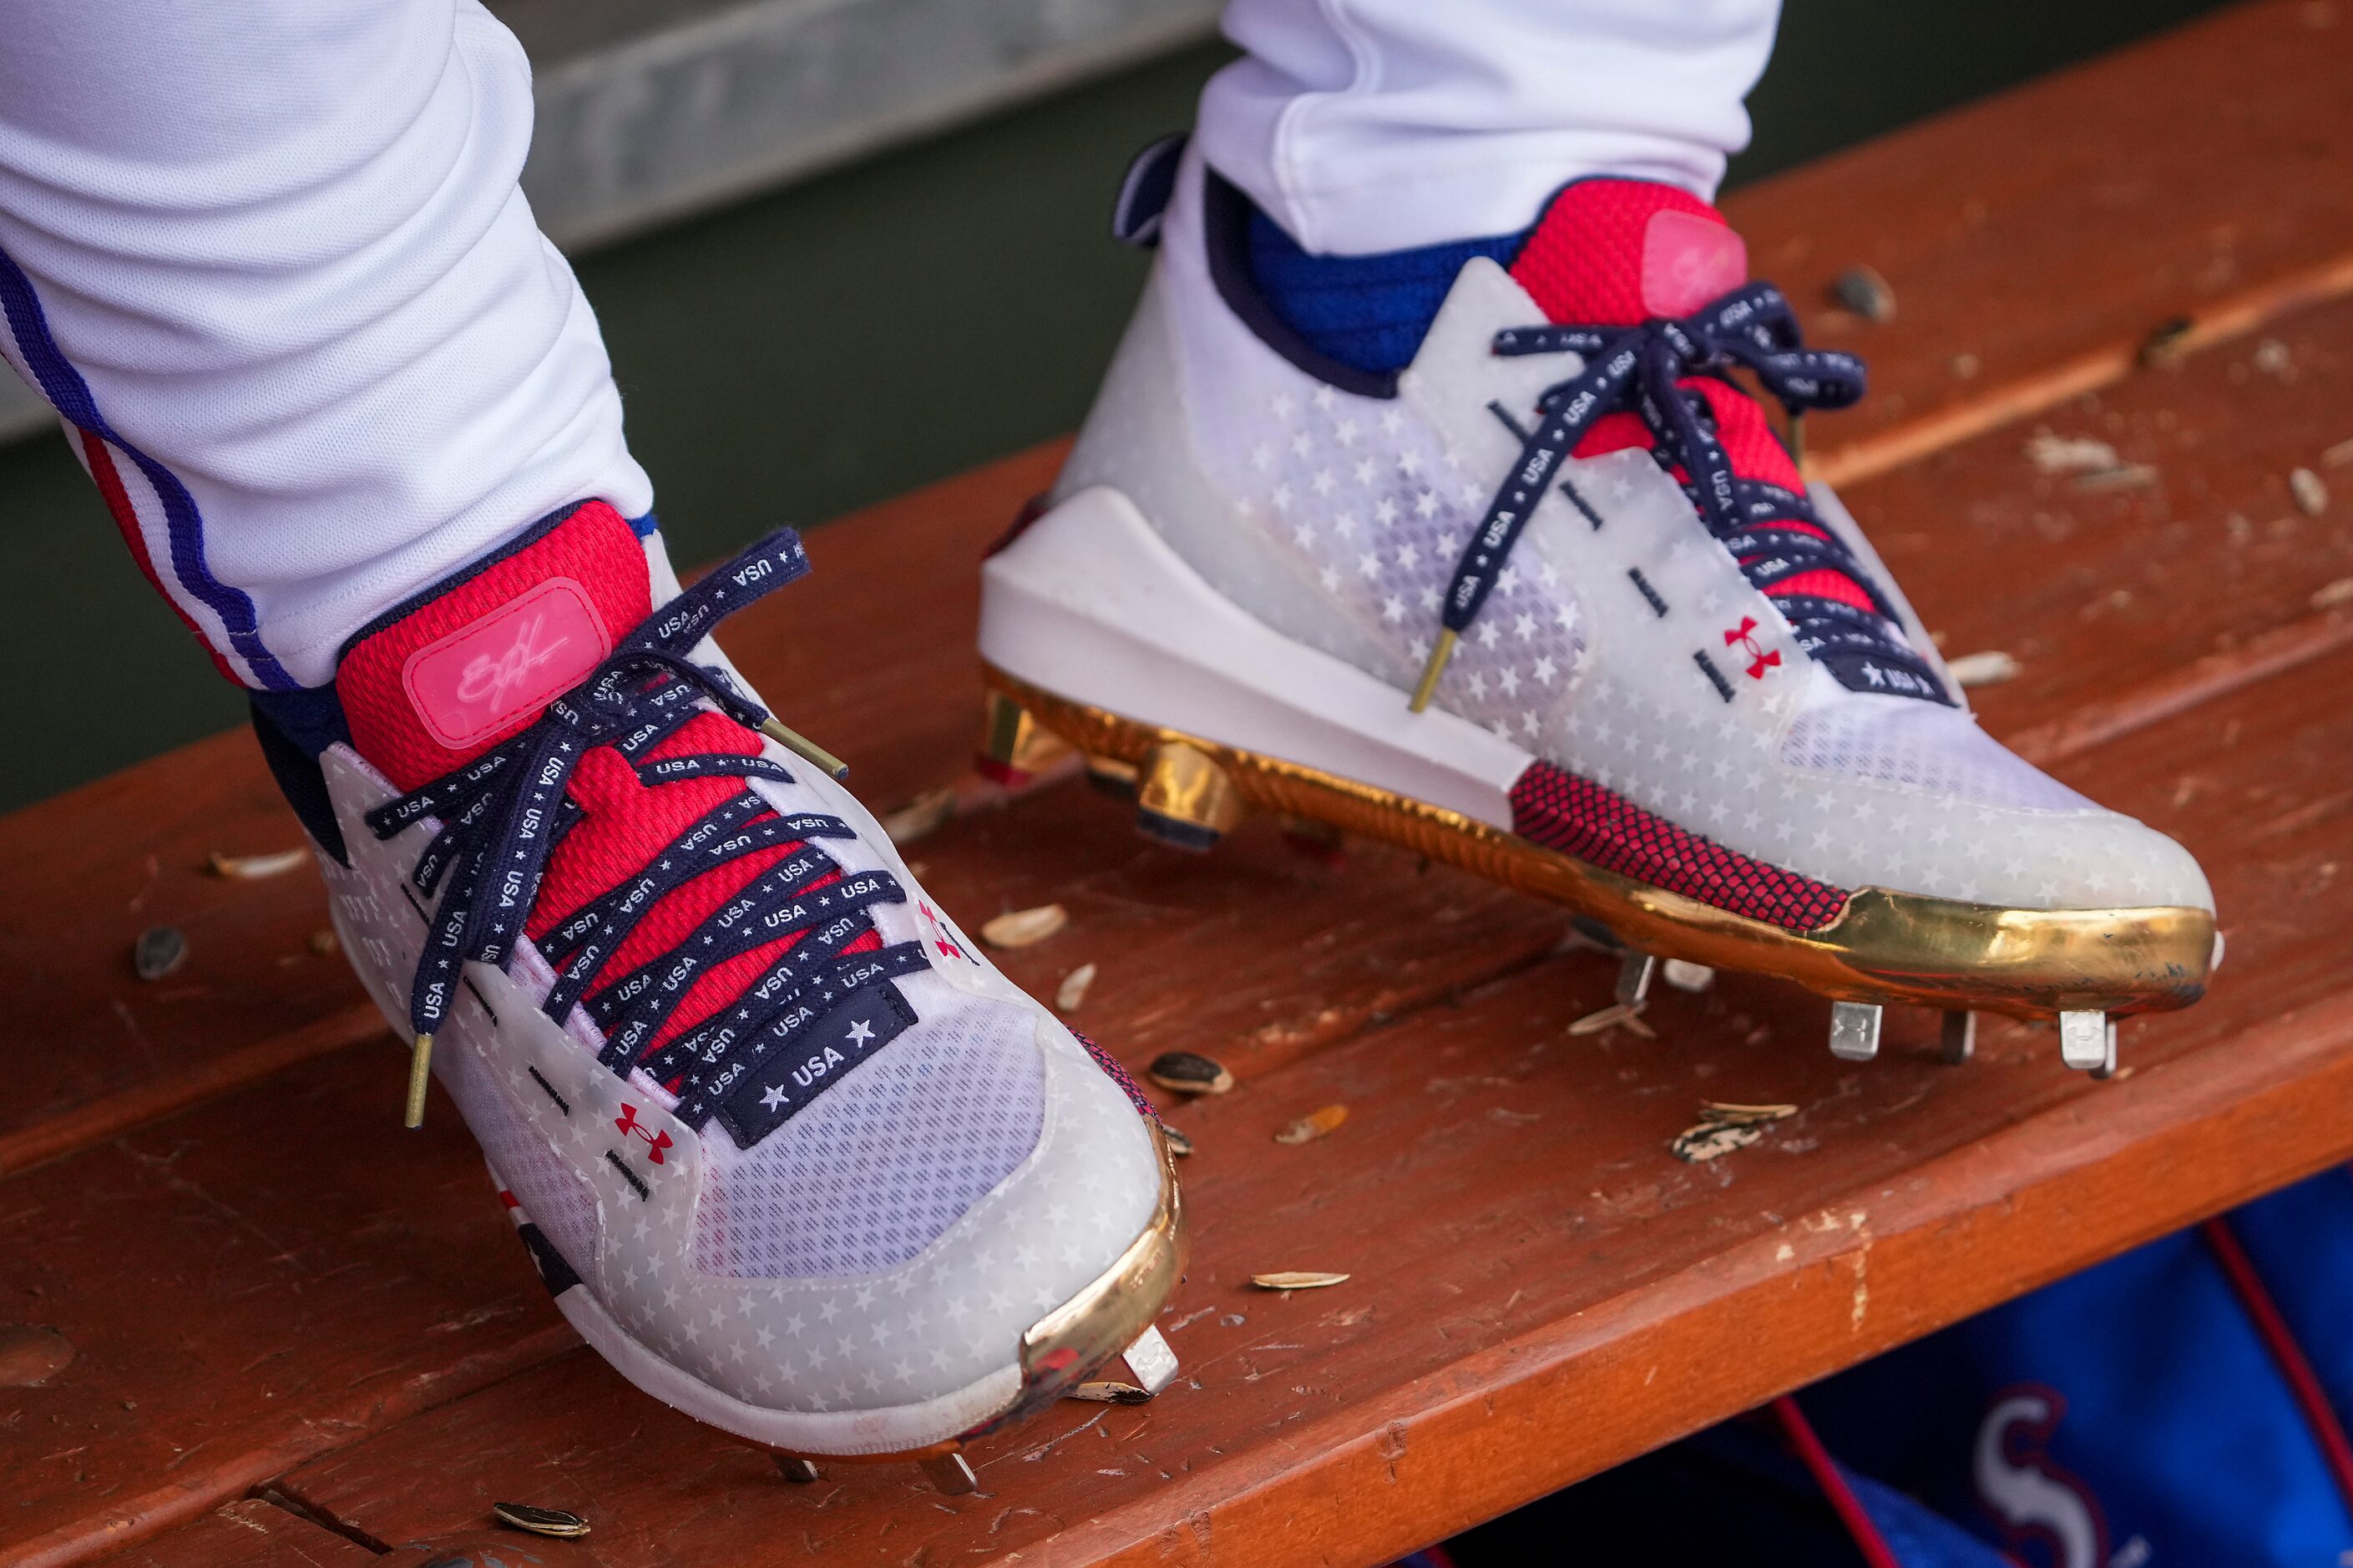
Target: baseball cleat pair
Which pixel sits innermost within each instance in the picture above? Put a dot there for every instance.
(1552, 602)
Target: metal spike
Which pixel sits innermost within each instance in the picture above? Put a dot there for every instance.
(802, 746)
(2084, 1042)
(950, 1473)
(799, 1471)
(1427, 686)
(1854, 1030)
(420, 1074)
(1960, 1034)
(1152, 1362)
(2107, 1070)
(1635, 972)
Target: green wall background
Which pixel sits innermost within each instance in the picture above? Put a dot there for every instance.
(803, 354)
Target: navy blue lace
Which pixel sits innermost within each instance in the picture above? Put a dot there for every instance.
(502, 814)
(1641, 368)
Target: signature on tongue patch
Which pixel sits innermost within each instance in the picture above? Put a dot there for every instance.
(1688, 260)
(470, 684)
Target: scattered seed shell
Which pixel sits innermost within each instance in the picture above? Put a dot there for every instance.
(1319, 1123)
(1189, 1072)
(1616, 1015)
(159, 950)
(1025, 927)
(1111, 1392)
(1685, 976)
(1723, 1110)
(1723, 1127)
(1990, 667)
(2124, 477)
(255, 867)
(2166, 341)
(2336, 456)
(924, 813)
(553, 1521)
(1178, 1143)
(1713, 1141)
(1862, 289)
(323, 943)
(2054, 454)
(2331, 595)
(2310, 490)
(1297, 1279)
(1073, 988)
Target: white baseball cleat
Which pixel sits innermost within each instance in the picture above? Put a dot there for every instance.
(788, 1151)
(1554, 604)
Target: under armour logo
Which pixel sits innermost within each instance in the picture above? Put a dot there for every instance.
(1759, 660)
(488, 680)
(939, 935)
(656, 1140)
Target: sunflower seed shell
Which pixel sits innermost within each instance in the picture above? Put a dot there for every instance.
(257, 868)
(1073, 988)
(159, 950)
(1714, 1140)
(2310, 490)
(553, 1521)
(1297, 1279)
(1318, 1124)
(1025, 927)
(1187, 1072)
(924, 813)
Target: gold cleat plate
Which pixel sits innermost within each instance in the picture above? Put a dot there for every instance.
(1883, 946)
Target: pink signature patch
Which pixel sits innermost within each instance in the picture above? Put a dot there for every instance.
(1688, 260)
(473, 682)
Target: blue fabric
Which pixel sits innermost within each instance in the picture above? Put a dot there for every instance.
(2165, 1420)
(1734, 1494)
(1918, 1535)
(1369, 313)
(2301, 1242)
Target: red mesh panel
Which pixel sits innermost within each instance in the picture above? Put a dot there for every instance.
(1118, 1074)
(1580, 818)
(1584, 262)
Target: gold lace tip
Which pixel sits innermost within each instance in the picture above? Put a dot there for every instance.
(1798, 437)
(420, 1074)
(803, 747)
(1432, 671)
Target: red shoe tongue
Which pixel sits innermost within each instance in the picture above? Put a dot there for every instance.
(447, 678)
(1612, 253)
(1616, 253)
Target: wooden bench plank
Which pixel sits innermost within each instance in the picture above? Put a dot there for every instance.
(2051, 253)
(245, 1286)
(1161, 928)
(247, 1534)
(2047, 231)
(1538, 1289)
(2104, 590)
